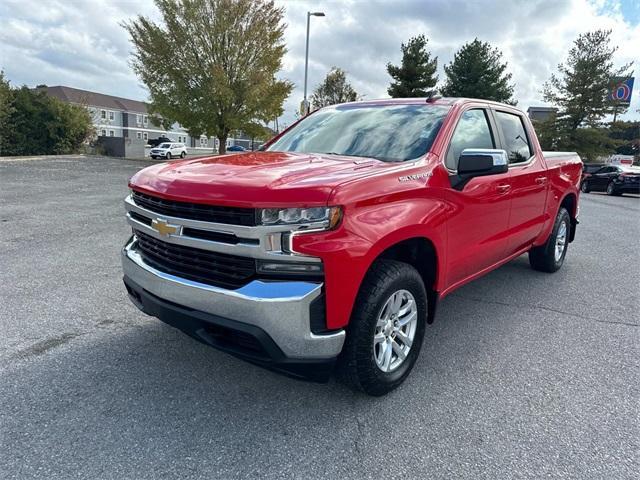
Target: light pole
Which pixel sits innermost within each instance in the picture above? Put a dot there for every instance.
(305, 102)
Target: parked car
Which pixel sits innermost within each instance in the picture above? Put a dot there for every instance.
(168, 150)
(334, 245)
(591, 167)
(613, 179)
(237, 148)
(154, 142)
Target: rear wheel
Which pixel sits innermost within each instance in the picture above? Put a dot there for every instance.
(584, 188)
(182, 155)
(550, 256)
(386, 329)
(611, 190)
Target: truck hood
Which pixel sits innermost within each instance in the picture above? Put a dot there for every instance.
(258, 179)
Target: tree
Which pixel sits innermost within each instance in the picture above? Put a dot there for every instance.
(477, 71)
(581, 90)
(41, 125)
(416, 75)
(6, 109)
(582, 85)
(334, 89)
(211, 64)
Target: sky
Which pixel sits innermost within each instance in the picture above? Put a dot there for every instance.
(80, 43)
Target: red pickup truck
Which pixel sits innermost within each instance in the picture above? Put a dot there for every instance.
(334, 244)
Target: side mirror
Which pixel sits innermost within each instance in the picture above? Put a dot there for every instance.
(478, 162)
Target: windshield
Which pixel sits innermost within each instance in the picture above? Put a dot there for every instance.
(164, 145)
(392, 133)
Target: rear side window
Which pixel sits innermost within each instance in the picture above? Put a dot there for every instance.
(472, 131)
(515, 137)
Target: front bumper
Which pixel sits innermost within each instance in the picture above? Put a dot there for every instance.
(275, 315)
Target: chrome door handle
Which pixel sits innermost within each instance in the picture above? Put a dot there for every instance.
(541, 180)
(503, 188)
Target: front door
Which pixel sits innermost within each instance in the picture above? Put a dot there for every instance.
(477, 228)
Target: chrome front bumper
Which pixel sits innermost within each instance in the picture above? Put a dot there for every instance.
(279, 308)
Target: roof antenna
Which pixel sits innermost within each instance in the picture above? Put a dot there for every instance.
(433, 95)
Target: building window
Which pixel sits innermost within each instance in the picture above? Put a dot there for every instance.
(139, 135)
(145, 136)
(103, 114)
(112, 115)
(103, 133)
(138, 119)
(112, 133)
(203, 141)
(146, 119)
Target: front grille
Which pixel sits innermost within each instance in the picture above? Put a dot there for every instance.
(196, 211)
(212, 268)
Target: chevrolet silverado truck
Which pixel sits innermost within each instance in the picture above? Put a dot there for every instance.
(330, 249)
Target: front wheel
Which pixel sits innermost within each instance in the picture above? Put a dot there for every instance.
(386, 329)
(168, 156)
(584, 188)
(550, 256)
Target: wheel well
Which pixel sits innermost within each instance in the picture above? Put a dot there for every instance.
(570, 203)
(417, 252)
(420, 254)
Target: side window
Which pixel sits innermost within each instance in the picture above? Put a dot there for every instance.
(472, 131)
(515, 137)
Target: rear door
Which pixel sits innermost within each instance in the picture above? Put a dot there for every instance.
(476, 230)
(602, 177)
(528, 179)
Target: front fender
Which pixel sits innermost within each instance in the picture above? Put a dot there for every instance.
(367, 230)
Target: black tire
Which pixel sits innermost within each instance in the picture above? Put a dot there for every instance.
(357, 365)
(611, 190)
(182, 155)
(543, 258)
(584, 188)
(153, 156)
(168, 157)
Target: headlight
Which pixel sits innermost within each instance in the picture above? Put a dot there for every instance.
(330, 216)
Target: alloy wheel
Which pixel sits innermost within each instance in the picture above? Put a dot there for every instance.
(395, 330)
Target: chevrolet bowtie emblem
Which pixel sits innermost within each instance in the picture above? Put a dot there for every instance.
(164, 228)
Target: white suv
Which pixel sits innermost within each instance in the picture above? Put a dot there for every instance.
(169, 150)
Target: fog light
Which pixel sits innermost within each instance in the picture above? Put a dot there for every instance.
(289, 268)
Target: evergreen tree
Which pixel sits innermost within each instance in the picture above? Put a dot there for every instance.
(416, 75)
(581, 87)
(6, 109)
(477, 71)
(334, 89)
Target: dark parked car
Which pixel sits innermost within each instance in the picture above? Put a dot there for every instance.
(237, 148)
(613, 179)
(592, 167)
(154, 142)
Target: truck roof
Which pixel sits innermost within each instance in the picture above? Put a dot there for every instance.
(433, 101)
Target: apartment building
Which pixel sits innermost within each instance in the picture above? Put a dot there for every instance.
(122, 117)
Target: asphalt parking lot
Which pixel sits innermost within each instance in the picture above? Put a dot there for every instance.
(523, 375)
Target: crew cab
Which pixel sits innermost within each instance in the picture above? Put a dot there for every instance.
(331, 248)
(168, 150)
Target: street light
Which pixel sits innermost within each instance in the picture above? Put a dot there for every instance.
(305, 102)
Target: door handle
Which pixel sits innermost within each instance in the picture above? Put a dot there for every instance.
(541, 180)
(503, 188)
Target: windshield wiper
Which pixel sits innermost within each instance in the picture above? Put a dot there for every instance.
(351, 155)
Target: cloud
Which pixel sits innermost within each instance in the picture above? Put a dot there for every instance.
(82, 44)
